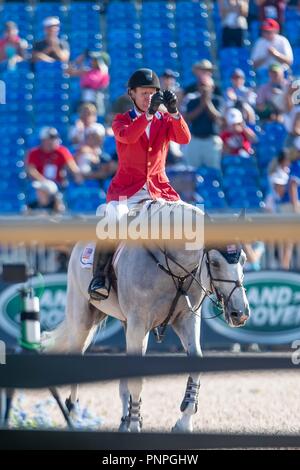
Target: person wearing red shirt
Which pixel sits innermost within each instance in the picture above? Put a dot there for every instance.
(237, 137)
(49, 160)
(142, 138)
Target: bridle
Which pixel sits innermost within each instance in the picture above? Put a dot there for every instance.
(183, 283)
(220, 297)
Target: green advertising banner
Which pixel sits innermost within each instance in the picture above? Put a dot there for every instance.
(52, 290)
(274, 298)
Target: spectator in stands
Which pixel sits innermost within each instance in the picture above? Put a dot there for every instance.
(293, 152)
(51, 48)
(271, 102)
(271, 47)
(168, 81)
(279, 173)
(241, 97)
(247, 112)
(234, 21)
(89, 151)
(292, 116)
(278, 199)
(237, 137)
(120, 106)
(254, 252)
(48, 198)
(175, 154)
(93, 162)
(274, 9)
(203, 70)
(87, 119)
(12, 47)
(238, 90)
(203, 115)
(92, 68)
(50, 159)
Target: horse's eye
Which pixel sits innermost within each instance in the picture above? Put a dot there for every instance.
(243, 260)
(215, 264)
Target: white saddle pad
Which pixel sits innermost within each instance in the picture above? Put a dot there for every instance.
(87, 256)
(88, 253)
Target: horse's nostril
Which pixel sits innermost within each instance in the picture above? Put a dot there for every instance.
(244, 318)
(235, 314)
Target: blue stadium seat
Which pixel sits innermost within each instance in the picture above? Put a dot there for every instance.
(184, 33)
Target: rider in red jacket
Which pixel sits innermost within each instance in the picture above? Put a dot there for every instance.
(142, 137)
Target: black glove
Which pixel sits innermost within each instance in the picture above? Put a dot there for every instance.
(170, 101)
(156, 100)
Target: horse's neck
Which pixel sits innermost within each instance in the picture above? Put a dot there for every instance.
(181, 212)
(188, 259)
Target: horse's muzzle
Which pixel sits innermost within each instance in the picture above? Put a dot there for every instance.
(238, 319)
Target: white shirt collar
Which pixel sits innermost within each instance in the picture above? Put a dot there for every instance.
(138, 113)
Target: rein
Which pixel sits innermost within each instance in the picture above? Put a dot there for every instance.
(179, 282)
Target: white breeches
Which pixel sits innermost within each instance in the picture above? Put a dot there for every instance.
(115, 210)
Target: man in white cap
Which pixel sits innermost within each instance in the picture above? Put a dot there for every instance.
(47, 198)
(93, 162)
(51, 48)
(237, 137)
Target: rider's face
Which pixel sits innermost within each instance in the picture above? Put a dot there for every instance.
(142, 97)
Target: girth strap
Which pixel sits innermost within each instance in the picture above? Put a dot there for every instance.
(160, 330)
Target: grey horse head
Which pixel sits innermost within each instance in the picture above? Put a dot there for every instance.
(225, 268)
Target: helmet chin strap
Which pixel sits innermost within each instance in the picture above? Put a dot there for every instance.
(139, 109)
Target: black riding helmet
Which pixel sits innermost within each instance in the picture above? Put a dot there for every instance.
(144, 78)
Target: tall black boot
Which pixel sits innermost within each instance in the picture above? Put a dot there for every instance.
(100, 286)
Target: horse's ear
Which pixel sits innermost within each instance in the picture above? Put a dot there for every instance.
(207, 219)
(242, 215)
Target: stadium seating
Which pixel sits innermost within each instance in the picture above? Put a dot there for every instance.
(84, 198)
(185, 32)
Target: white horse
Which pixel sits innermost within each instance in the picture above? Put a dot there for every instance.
(146, 285)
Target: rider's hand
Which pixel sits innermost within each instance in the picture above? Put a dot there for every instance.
(170, 101)
(156, 100)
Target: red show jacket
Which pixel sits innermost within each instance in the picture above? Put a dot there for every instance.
(142, 160)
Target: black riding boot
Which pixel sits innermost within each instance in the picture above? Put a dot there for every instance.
(100, 286)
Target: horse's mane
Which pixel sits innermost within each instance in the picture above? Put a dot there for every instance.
(170, 220)
(172, 206)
